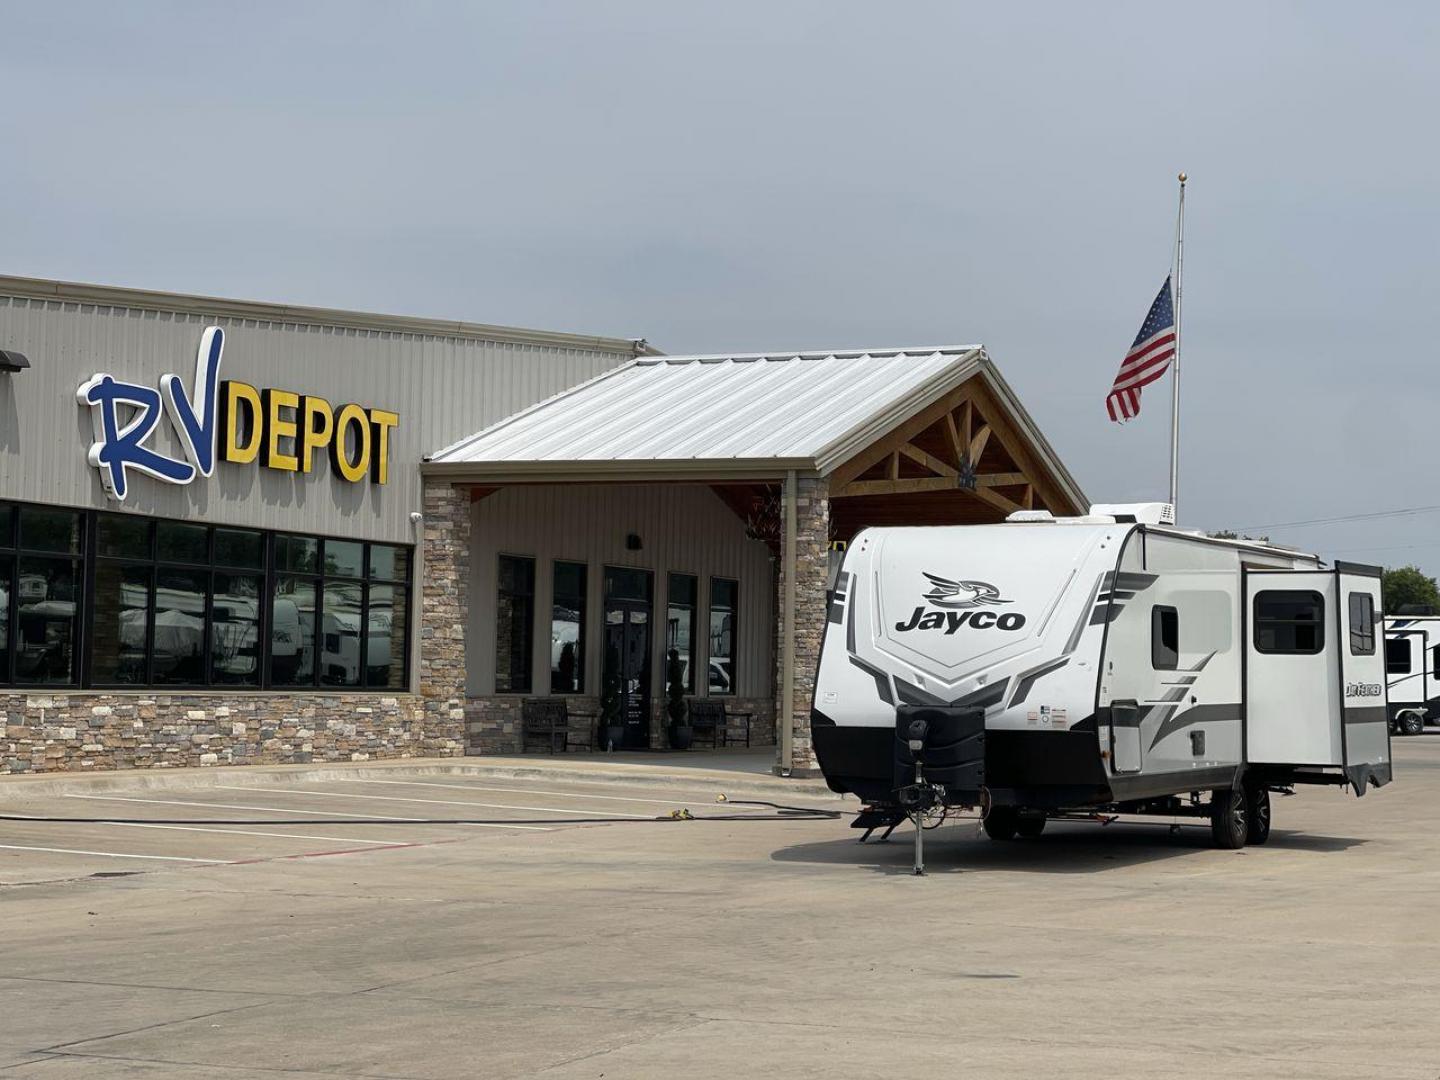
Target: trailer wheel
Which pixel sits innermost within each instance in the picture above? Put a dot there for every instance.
(1228, 825)
(1002, 822)
(1257, 806)
(1031, 825)
(1412, 723)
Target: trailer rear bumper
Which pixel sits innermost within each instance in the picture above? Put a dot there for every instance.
(1022, 768)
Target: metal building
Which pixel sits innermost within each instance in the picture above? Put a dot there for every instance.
(237, 532)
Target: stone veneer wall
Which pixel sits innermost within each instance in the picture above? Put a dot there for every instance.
(81, 730)
(812, 575)
(493, 723)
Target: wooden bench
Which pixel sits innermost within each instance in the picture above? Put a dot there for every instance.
(710, 720)
(546, 721)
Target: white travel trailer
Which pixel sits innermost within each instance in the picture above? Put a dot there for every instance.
(1412, 671)
(1121, 665)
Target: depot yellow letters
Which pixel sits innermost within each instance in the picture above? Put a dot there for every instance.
(287, 431)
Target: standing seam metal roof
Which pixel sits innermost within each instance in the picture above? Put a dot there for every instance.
(719, 408)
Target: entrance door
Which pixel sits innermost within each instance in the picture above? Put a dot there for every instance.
(1292, 670)
(1365, 726)
(628, 648)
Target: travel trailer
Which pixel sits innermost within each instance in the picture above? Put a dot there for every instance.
(1121, 665)
(1412, 672)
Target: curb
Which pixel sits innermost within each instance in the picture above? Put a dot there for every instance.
(689, 779)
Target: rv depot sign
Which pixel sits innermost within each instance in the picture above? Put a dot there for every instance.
(228, 421)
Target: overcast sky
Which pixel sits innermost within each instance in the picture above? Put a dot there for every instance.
(776, 175)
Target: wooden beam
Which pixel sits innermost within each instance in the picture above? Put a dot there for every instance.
(907, 486)
(895, 465)
(882, 448)
(957, 448)
(995, 499)
(930, 461)
(1028, 499)
(1001, 479)
(1010, 438)
(977, 444)
(966, 419)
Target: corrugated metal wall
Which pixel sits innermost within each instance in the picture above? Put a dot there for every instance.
(444, 387)
(684, 528)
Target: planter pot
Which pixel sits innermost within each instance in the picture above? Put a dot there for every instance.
(615, 737)
(680, 736)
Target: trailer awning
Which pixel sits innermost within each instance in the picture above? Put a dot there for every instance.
(737, 417)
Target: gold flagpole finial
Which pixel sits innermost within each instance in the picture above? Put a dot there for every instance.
(1183, 178)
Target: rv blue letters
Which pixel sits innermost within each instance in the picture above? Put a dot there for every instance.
(120, 445)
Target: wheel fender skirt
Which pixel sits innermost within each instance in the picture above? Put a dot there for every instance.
(1365, 775)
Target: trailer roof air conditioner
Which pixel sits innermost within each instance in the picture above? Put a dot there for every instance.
(1148, 513)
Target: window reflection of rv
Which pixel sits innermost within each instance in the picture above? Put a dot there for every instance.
(341, 647)
(43, 630)
(291, 650)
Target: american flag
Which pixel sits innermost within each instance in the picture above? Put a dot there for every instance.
(1147, 360)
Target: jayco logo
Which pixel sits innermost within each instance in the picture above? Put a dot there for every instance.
(961, 599)
(229, 421)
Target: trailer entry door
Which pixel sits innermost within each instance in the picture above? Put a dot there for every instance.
(1292, 668)
(1365, 730)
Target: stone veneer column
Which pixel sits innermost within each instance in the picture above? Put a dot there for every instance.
(812, 565)
(443, 601)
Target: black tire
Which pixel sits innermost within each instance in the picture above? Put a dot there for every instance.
(1412, 724)
(1030, 825)
(1228, 818)
(1002, 822)
(1257, 810)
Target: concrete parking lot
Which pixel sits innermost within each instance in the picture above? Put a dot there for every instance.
(244, 923)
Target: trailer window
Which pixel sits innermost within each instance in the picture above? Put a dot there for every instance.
(1289, 621)
(1397, 656)
(1362, 624)
(1164, 638)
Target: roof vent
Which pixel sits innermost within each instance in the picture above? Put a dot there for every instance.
(1151, 513)
(1031, 515)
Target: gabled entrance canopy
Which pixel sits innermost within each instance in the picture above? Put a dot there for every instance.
(805, 448)
(913, 435)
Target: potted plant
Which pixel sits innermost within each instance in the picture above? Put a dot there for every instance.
(680, 732)
(612, 721)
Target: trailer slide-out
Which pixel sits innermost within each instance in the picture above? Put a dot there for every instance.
(1121, 666)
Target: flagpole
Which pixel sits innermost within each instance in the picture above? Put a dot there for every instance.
(1175, 363)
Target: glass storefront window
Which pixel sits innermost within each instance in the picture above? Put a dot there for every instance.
(45, 620)
(292, 632)
(724, 605)
(240, 548)
(385, 630)
(178, 542)
(235, 628)
(178, 604)
(120, 624)
(344, 558)
(178, 652)
(340, 641)
(567, 629)
(680, 593)
(121, 536)
(514, 624)
(43, 529)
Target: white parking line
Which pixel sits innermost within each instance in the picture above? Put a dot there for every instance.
(108, 854)
(252, 832)
(442, 802)
(518, 791)
(284, 810)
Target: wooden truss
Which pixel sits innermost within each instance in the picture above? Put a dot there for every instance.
(962, 443)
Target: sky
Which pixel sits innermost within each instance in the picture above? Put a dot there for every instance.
(773, 175)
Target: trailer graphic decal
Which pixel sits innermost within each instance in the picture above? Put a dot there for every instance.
(945, 593)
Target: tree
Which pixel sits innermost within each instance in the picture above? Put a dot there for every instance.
(1408, 586)
(1230, 534)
